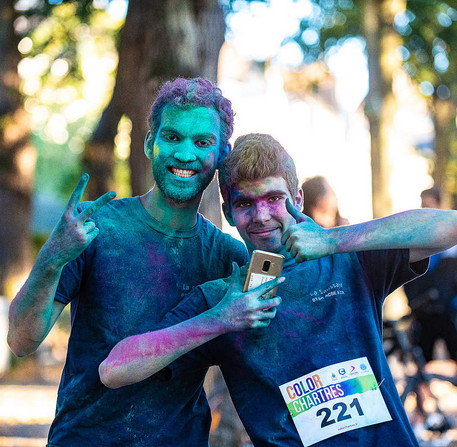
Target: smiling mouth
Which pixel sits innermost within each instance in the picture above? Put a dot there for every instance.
(183, 173)
(262, 231)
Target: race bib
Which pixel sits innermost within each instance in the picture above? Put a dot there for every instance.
(335, 399)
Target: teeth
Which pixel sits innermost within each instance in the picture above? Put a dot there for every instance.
(183, 172)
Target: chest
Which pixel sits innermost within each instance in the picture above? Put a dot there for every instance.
(130, 283)
(325, 316)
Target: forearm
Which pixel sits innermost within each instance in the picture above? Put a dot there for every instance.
(30, 313)
(141, 356)
(425, 229)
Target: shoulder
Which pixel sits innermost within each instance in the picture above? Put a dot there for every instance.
(215, 286)
(113, 205)
(209, 229)
(198, 300)
(222, 241)
(113, 208)
(213, 291)
(450, 252)
(373, 257)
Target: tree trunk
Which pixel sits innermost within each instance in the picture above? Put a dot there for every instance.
(380, 102)
(443, 112)
(17, 163)
(160, 40)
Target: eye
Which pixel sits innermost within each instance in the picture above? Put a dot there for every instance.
(274, 198)
(171, 137)
(244, 204)
(203, 143)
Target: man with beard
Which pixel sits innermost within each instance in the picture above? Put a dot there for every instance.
(123, 268)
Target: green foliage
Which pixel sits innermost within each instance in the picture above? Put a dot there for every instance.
(429, 52)
(328, 25)
(68, 73)
(57, 170)
(428, 29)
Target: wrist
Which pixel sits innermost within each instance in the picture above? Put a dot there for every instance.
(215, 321)
(49, 263)
(333, 241)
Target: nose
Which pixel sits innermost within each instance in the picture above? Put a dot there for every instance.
(261, 213)
(185, 152)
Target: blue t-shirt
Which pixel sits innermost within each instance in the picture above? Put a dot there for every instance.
(129, 277)
(331, 312)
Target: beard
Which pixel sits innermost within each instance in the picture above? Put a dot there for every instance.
(180, 192)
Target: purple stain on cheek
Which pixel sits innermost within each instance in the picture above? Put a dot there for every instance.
(208, 163)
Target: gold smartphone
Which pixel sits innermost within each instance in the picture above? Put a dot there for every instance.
(264, 266)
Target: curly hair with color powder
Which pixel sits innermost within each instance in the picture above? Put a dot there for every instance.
(196, 92)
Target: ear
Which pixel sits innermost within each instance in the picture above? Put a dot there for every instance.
(299, 200)
(149, 145)
(228, 213)
(223, 152)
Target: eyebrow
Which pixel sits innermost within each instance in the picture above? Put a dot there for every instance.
(242, 198)
(199, 135)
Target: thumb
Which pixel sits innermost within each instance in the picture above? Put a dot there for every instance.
(235, 276)
(297, 215)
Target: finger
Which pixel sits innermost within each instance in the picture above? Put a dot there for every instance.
(268, 315)
(286, 240)
(258, 324)
(89, 226)
(244, 269)
(297, 215)
(269, 303)
(301, 258)
(235, 276)
(77, 193)
(92, 235)
(96, 205)
(267, 286)
(294, 251)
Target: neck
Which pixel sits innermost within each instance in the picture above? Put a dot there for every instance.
(282, 251)
(179, 216)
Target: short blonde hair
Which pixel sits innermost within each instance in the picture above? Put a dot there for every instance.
(256, 156)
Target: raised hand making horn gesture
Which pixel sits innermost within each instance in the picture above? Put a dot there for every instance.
(34, 311)
(75, 230)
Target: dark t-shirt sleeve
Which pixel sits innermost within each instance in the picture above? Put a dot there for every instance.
(196, 302)
(386, 270)
(70, 280)
(192, 305)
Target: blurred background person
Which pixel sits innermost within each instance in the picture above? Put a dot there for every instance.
(433, 297)
(320, 202)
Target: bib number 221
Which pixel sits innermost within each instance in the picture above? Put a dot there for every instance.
(342, 410)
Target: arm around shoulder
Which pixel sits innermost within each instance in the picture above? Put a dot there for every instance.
(141, 356)
(423, 231)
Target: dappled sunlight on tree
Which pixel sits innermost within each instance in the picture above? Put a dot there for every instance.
(17, 163)
(67, 71)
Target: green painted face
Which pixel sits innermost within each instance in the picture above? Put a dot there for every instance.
(185, 152)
